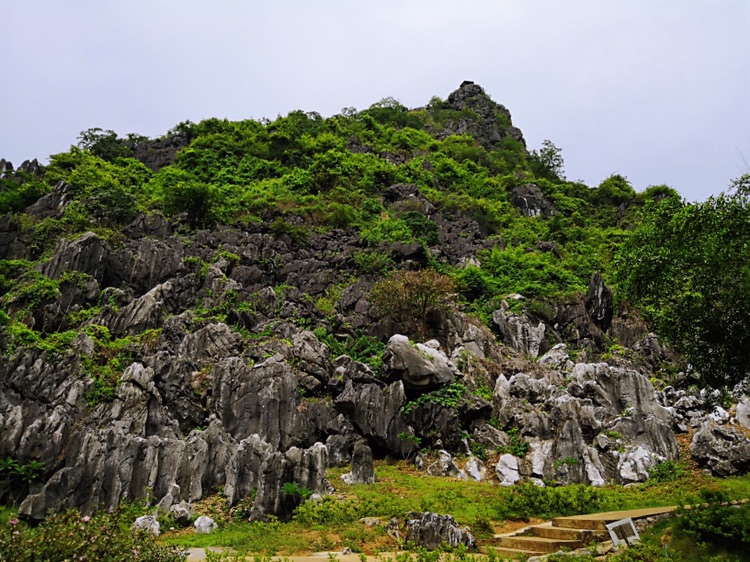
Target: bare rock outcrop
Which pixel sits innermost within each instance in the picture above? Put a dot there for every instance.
(420, 365)
(431, 531)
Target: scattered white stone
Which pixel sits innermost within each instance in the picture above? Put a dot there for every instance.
(507, 470)
(204, 525)
(147, 523)
(743, 412)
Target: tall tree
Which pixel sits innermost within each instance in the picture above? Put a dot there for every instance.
(688, 267)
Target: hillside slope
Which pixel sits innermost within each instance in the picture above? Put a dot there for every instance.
(239, 305)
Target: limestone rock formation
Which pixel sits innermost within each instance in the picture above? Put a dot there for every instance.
(431, 531)
(420, 365)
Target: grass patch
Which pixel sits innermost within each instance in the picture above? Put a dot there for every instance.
(335, 523)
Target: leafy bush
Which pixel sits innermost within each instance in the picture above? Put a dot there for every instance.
(410, 297)
(667, 471)
(718, 523)
(361, 347)
(526, 500)
(103, 537)
(517, 446)
(372, 261)
(680, 267)
(448, 397)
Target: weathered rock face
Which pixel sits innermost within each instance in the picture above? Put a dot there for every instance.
(431, 531)
(256, 401)
(518, 331)
(419, 365)
(593, 423)
(362, 469)
(305, 467)
(722, 449)
(531, 201)
(493, 122)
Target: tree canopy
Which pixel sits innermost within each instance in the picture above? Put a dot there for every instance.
(687, 266)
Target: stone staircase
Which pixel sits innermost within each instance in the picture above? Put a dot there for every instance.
(566, 533)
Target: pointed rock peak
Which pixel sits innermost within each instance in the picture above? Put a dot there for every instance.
(467, 89)
(493, 121)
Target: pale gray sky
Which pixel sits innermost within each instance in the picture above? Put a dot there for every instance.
(657, 90)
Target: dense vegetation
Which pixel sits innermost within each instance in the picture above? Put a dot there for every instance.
(302, 174)
(684, 266)
(687, 266)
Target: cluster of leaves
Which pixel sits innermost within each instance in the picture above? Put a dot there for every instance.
(517, 445)
(16, 477)
(410, 297)
(448, 396)
(362, 348)
(687, 266)
(103, 537)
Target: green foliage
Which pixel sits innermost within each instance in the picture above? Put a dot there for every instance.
(517, 445)
(530, 273)
(719, 524)
(105, 537)
(527, 500)
(361, 347)
(410, 297)
(666, 471)
(615, 190)
(16, 477)
(372, 261)
(475, 283)
(297, 233)
(15, 196)
(103, 144)
(449, 396)
(684, 266)
(547, 162)
(194, 199)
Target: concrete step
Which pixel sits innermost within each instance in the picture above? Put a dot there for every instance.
(539, 544)
(598, 521)
(551, 532)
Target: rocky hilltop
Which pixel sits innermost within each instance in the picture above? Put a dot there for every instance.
(161, 354)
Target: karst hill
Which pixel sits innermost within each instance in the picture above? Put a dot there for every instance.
(237, 306)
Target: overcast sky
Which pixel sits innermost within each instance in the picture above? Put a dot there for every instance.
(656, 90)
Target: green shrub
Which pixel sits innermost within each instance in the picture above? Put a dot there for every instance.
(372, 261)
(667, 471)
(518, 446)
(410, 297)
(103, 537)
(449, 396)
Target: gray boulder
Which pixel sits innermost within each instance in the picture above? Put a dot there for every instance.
(182, 513)
(362, 468)
(507, 470)
(444, 466)
(518, 331)
(204, 525)
(419, 365)
(474, 469)
(305, 467)
(743, 412)
(724, 450)
(431, 531)
(147, 523)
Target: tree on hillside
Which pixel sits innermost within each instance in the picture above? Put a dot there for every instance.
(687, 265)
(547, 162)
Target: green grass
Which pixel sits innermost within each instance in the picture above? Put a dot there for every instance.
(6, 514)
(399, 489)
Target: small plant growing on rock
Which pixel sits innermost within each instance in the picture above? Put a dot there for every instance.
(518, 446)
(298, 493)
